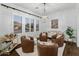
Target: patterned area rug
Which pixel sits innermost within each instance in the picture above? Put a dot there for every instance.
(35, 53)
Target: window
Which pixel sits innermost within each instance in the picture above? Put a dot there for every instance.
(17, 24)
(27, 26)
(37, 25)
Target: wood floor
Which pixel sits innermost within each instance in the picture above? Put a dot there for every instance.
(70, 50)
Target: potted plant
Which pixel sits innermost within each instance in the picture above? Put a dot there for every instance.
(70, 32)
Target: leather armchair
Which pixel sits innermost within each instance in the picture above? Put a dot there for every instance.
(43, 36)
(47, 50)
(59, 40)
(27, 44)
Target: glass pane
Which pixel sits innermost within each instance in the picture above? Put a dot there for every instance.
(37, 25)
(32, 25)
(17, 24)
(26, 25)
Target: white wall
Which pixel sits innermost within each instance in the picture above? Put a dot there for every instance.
(0, 20)
(5, 21)
(77, 11)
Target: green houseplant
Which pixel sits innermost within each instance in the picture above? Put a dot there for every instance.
(70, 32)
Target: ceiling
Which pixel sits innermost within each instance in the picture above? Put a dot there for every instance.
(50, 8)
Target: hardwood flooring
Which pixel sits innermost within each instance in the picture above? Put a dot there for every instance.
(71, 50)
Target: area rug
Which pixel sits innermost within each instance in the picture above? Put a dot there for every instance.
(35, 53)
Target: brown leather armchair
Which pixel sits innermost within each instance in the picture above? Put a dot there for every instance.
(59, 40)
(27, 44)
(47, 50)
(43, 36)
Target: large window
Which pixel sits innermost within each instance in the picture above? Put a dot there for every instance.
(29, 24)
(17, 24)
(37, 25)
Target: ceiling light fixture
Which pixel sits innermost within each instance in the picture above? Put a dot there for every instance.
(44, 15)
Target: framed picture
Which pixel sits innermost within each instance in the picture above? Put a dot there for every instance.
(17, 24)
(54, 23)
